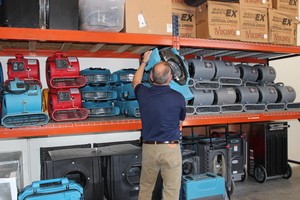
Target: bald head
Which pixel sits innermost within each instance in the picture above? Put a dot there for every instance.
(161, 73)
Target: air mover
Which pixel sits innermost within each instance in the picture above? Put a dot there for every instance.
(179, 70)
(201, 69)
(63, 72)
(22, 104)
(101, 109)
(129, 108)
(59, 188)
(125, 91)
(23, 69)
(98, 93)
(124, 75)
(98, 76)
(65, 105)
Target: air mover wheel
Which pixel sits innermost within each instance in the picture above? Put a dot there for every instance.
(260, 174)
(288, 172)
(231, 188)
(245, 176)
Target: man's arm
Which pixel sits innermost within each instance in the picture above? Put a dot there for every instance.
(138, 76)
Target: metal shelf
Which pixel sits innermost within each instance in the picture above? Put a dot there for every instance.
(44, 42)
(113, 124)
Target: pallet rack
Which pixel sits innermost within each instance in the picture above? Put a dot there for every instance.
(44, 42)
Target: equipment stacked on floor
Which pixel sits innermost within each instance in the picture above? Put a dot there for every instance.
(216, 154)
(268, 157)
(60, 188)
(98, 94)
(22, 98)
(64, 81)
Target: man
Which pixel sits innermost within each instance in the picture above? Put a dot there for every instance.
(162, 112)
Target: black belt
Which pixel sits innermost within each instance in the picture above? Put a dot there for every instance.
(161, 142)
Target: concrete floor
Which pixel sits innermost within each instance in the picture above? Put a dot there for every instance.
(272, 189)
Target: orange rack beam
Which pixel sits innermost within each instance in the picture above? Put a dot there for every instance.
(120, 125)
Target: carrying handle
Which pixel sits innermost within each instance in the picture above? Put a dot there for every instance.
(225, 127)
(46, 183)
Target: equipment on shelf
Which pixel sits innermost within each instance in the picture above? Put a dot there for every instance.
(201, 69)
(23, 69)
(286, 94)
(98, 93)
(268, 146)
(226, 97)
(129, 108)
(18, 13)
(101, 109)
(63, 72)
(52, 10)
(266, 73)
(227, 73)
(98, 76)
(59, 188)
(22, 104)
(249, 96)
(268, 94)
(65, 105)
(125, 91)
(124, 75)
(1, 74)
(248, 73)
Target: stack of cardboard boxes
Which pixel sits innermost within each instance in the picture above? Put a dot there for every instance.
(263, 21)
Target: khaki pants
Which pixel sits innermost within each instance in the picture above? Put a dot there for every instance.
(168, 159)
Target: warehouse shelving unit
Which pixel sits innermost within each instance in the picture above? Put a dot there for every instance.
(44, 42)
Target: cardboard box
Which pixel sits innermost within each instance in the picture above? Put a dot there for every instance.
(254, 24)
(281, 27)
(186, 18)
(257, 3)
(148, 17)
(286, 5)
(218, 20)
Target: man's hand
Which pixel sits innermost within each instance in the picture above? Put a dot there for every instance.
(138, 76)
(146, 57)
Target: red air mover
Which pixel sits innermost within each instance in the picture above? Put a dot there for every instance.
(65, 105)
(63, 72)
(23, 69)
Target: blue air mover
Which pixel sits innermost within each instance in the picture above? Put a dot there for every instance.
(98, 76)
(22, 104)
(1, 74)
(59, 188)
(204, 186)
(125, 91)
(124, 75)
(98, 93)
(179, 70)
(101, 109)
(129, 108)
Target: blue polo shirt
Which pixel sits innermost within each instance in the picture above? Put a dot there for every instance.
(162, 109)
